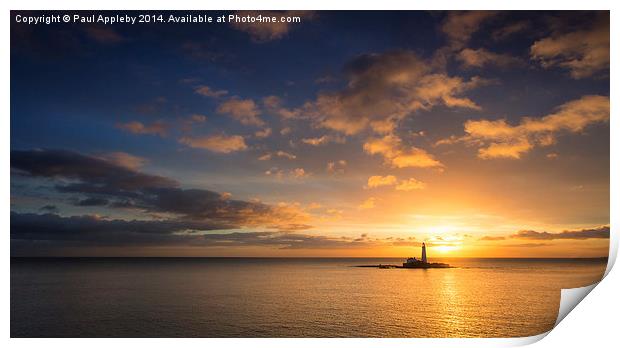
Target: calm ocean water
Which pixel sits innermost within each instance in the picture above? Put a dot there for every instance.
(241, 297)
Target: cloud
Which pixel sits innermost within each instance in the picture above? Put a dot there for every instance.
(397, 155)
(209, 92)
(383, 89)
(378, 181)
(50, 208)
(296, 173)
(390, 180)
(124, 159)
(282, 154)
(274, 171)
(135, 127)
(481, 57)
(528, 245)
(513, 149)
(336, 167)
(583, 53)
(409, 241)
(439, 88)
(285, 155)
(103, 34)
(268, 31)
(188, 123)
(410, 185)
(92, 202)
(273, 104)
(552, 155)
(94, 230)
(263, 133)
(100, 174)
(459, 26)
(323, 140)
(511, 29)
(242, 110)
(218, 143)
(368, 204)
(80, 175)
(291, 227)
(203, 205)
(492, 238)
(598, 232)
(499, 139)
(29, 230)
(299, 173)
(289, 240)
(314, 206)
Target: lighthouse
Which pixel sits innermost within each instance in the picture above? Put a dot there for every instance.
(412, 262)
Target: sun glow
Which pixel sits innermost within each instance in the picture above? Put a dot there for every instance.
(443, 249)
(441, 230)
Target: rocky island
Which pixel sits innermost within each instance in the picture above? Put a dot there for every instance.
(412, 262)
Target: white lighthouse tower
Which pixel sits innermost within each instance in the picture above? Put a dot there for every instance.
(424, 253)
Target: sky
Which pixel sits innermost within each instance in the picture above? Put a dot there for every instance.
(353, 134)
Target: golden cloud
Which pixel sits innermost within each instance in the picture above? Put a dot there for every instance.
(265, 157)
(385, 88)
(285, 154)
(397, 155)
(124, 159)
(410, 185)
(216, 143)
(368, 204)
(505, 150)
(378, 181)
(499, 139)
(242, 110)
(390, 180)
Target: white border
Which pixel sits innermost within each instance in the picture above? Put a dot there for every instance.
(605, 293)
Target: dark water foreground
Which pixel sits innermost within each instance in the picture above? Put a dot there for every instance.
(221, 297)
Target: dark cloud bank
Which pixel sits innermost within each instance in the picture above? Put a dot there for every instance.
(190, 213)
(90, 230)
(97, 182)
(193, 217)
(600, 232)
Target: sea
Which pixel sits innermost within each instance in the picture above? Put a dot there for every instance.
(289, 297)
